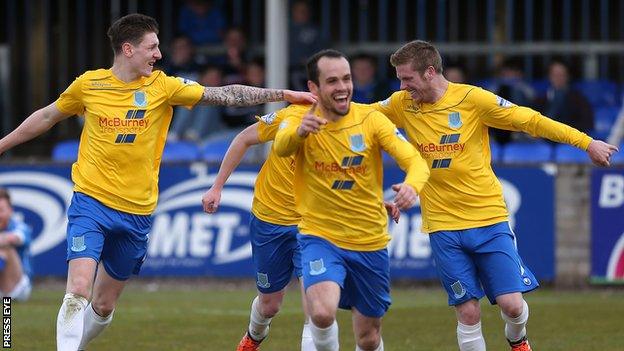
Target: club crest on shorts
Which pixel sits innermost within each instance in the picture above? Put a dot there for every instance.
(263, 280)
(78, 244)
(454, 120)
(317, 267)
(140, 99)
(357, 143)
(458, 290)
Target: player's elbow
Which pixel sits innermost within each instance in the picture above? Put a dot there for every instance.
(49, 115)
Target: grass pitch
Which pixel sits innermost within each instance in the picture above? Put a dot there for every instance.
(200, 316)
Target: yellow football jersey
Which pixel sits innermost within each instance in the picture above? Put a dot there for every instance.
(452, 136)
(124, 134)
(338, 176)
(274, 201)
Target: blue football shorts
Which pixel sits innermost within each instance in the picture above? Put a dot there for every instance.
(117, 239)
(363, 276)
(481, 261)
(275, 254)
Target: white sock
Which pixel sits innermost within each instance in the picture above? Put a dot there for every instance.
(470, 337)
(307, 343)
(94, 324)
(325, 339)
(379, 348)
(69, 322)
(258, 325)
(515, 328)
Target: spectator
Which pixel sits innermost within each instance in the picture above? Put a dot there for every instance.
(562, 102)
(366, 87)
(202, 22)
(304, 40)
(235, 58)
(15, 236)
(202, 121)
(236, 119)
(455, 72)
(182, 62)
(511, 85)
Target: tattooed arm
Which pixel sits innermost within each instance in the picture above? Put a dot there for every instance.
(243, 95)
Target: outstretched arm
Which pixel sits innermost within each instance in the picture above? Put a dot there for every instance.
(232, 158)
(36, 124)
(243, 95)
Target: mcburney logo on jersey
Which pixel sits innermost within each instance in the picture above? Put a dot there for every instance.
(442, 153)
(350, 165)
(125, 128)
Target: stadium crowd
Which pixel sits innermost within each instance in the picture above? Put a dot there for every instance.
(214, 52)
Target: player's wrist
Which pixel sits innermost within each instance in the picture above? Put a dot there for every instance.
(217, 186)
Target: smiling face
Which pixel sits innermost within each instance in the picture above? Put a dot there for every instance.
(143, 55)
(415, 83)
(335, 87)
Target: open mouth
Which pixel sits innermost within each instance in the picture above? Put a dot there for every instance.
(341, 98)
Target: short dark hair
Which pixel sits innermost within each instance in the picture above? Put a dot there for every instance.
(312, 65)
(419, 54)
(4, 194)
(130, 29)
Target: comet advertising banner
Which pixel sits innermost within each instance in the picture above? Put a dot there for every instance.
(185, 241)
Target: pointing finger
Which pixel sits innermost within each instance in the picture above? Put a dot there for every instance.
(313, 108)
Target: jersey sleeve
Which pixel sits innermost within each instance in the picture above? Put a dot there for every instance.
(268, 126)
(269, 123)
(408, 158)
(287, 141)
(391, 107)
(183, 91)
(70, 101)
(499, 113)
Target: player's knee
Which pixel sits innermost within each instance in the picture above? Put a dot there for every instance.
(469, 313)
(369, 339)
(513, 308)
(270, 304)
(103, 308)
(322, 318)
(269, 309)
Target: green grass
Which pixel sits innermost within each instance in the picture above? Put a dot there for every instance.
(187, 317)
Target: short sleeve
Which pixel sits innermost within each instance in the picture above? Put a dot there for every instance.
(391, 107)
(268, 126)
(183, 91)
(269, 123)
(70, 101)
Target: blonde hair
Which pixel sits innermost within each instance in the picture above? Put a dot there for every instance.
(420, 54)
